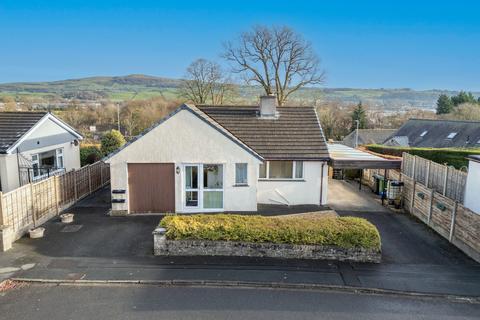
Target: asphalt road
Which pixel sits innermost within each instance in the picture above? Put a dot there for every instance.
(153, 302)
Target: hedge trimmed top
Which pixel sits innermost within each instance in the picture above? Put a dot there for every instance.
(451, 156)
(344, 232)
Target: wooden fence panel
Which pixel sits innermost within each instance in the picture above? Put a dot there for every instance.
(421, 203)
(467, 230)
(33, 204)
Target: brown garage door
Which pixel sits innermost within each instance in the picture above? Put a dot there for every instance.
(151, 187)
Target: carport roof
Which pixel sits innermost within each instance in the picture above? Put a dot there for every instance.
(343, 157)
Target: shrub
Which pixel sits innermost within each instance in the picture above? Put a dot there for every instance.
(452, 156)
(345, 232)
(90, 154)
(111, 141)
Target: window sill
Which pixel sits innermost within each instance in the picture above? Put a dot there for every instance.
(241, 185)
(289, 180)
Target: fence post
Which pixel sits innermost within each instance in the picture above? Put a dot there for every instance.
(89, 179)
(445, 179)
(430, 208)
(414, 165)
(101, 174)
(427, 175)
(75, 184)
(452, 226)
(55, 188)
(34, 217)
(412, 202)
(2, 220)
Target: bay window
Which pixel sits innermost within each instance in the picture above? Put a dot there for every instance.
(280, 170)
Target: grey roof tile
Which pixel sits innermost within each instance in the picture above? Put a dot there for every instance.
(295, 134)
(13, 125)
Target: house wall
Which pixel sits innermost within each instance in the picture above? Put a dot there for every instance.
(9, 175)
(293, 192)
(472, 188)
(181, 139)
(47, 134)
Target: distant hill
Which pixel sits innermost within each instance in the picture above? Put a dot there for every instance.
(140, 86)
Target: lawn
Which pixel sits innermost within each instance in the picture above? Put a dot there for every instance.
(344, 232)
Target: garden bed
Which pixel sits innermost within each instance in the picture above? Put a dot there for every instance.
(299, 237)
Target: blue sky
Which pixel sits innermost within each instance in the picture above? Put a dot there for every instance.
(363, 44)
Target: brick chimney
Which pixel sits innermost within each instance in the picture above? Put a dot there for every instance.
(268, 106)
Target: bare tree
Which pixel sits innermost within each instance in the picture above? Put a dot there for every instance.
(276, 58)
(205, 82)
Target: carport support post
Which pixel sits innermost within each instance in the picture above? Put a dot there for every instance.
(361, 176)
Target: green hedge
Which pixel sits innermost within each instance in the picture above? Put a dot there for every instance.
(452, 156)
(89, 154)
(345, 232)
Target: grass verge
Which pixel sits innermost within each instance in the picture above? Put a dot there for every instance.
(344, 232)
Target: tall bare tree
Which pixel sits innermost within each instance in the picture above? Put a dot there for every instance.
(276, 58)
(205, 81)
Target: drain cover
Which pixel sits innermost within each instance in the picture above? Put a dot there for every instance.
(71, 228)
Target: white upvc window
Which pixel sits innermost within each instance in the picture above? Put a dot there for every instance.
(203, 187)
(35, 165)
(241, 174)
(281, 170)
(59, 155)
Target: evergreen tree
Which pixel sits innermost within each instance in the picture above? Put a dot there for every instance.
(444, 104)
(111, 141)
(359, 114)
(463, 97)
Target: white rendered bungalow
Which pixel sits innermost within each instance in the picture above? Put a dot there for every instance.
(223, 158)
(34, 146)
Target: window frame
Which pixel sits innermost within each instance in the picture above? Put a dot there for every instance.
(59, 154)
(245, 183)
(293, 178)
(452, 135)
(201, 188)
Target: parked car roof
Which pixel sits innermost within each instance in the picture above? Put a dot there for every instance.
(295, 134)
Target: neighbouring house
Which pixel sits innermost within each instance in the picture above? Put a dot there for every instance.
(472, 187)
(223, 158)
(33, 146)
(367, 136)
(436, 134)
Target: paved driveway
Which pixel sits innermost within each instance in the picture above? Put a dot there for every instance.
(120, 248)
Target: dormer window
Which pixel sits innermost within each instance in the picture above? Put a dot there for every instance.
(423, 133)
(451, 135)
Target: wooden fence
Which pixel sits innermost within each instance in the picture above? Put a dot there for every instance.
(445, 180)
(446, 216)
(35, 203)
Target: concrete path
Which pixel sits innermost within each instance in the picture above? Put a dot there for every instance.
(346, 196)
(120, 248)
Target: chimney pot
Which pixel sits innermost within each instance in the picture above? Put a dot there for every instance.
(268, 106)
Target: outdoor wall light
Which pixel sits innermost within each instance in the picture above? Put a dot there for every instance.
(177, 170)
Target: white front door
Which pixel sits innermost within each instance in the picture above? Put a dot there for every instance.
(203, 187)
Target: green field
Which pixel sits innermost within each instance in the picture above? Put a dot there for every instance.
(143, 87)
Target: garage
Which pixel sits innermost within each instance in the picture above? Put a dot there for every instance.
(151, 187)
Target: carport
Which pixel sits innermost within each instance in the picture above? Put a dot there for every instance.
(343, 157)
